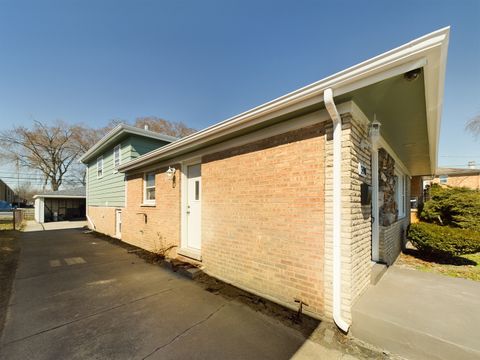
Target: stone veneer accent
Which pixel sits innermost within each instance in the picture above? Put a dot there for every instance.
(388, 209)
(392, 232)
(356, 219)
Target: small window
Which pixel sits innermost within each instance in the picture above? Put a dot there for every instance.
(197, 190)
(117, 157)
(149, 192)
(443, 179)
(400, 192)
(100, 167)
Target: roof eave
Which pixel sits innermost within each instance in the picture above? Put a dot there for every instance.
(117, 131)
(394, 62)
(60, 196)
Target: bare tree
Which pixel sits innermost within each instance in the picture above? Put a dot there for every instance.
(473, 125)
(25, 191)
(52, 150)
(176, 129)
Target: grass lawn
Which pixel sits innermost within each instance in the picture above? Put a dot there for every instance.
(464, 266)
(6, 226)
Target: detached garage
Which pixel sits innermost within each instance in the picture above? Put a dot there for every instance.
(60, 205)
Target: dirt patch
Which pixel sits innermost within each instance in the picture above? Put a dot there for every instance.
(9, 252)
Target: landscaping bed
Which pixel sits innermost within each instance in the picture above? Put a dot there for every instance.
(9, 252)
(462, 266)
(447, 240)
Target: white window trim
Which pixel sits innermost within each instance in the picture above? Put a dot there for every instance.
(145, 201)
(115, 167)
(100, 158)
(400, 197)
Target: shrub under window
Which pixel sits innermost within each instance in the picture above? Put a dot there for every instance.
(443, 240)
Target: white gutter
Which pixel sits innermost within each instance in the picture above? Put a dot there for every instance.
(337, 209)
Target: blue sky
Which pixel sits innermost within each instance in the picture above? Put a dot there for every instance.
(203, 61)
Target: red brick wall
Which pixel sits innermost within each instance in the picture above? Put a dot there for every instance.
(263, 216)
(162, 226)
(103, 218)
(469, 181)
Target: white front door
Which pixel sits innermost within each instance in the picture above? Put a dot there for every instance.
(118, 223)
(194, 207)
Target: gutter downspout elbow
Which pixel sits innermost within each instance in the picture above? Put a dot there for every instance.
(337, 209)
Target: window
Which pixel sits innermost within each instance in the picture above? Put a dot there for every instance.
(117, 157)
(400, 194)
(443, 179)
(100, 167)
(197, 190)
(149, 188)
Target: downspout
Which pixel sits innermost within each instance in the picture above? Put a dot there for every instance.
(337, 209)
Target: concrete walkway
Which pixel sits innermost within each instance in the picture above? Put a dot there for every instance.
(32, 225)
(79, 297)
(421, 315)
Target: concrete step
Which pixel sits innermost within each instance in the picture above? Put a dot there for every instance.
(420, 315)
(407, 341)
(377, 272)
(183, 268)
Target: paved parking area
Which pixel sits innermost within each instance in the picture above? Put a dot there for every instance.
(79, 297)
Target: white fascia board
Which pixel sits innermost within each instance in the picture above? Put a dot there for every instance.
(394, 62)
(119, 130)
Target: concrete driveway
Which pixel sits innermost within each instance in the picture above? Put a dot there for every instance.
(79, 297)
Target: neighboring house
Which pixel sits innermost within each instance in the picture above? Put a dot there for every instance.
(6, 193)
(105, 185)
(60, 205)
(469, 178)
(298, 199)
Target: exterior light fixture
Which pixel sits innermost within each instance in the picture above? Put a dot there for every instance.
(374, 130)
(170, 172)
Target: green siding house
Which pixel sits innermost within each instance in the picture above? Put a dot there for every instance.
(105, 185)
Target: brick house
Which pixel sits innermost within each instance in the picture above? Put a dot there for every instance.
(469, 178)
(301, 197)
(105, 190)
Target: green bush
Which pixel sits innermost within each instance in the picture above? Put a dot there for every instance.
(454, 206)
(443, 240)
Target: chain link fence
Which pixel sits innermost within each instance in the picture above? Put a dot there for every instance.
(15, 219)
